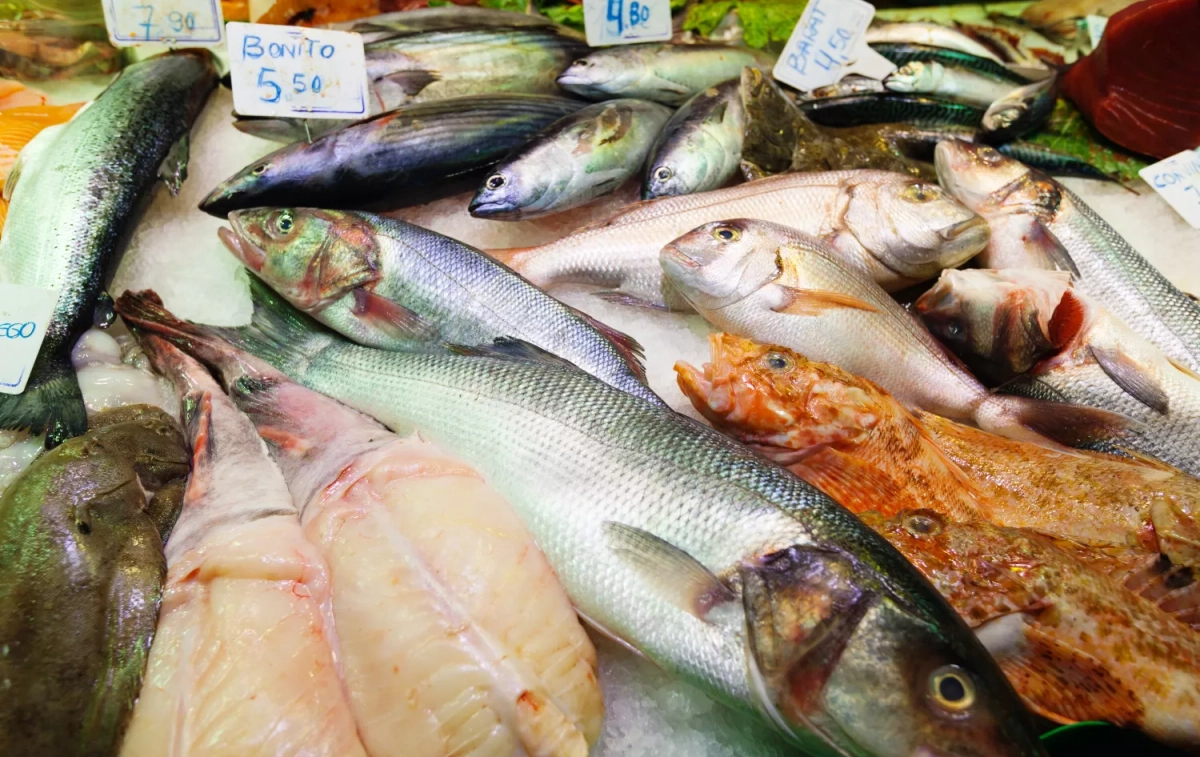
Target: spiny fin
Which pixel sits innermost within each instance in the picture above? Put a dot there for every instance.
(1066, 321)
(411, 82)
(631, 352)
(675, 574)
(392, 318)
(173, 170)
(1042, 239)
(620, 298)
(510, 348)
(817, 301)
(854, 484)
(1132, 377)
(1183, 368)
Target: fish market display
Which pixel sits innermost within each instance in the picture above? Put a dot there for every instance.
(647, 510)
(1084, 354)
(933, 35)
(83, 574)
(1024, 208)
(243, 662)
(855, 442)
(896, 228)
(69, 209)
(410, 148)
(1018, 44)
(890, 107)
(576, 159)
(389, 284)
(1055, 15)
(778, 286)
(699, 149)
(436, 18)
(1022, 111)
(956, 83)
(665, 73)
(902, 53)
(1075, 643)
(18, 126)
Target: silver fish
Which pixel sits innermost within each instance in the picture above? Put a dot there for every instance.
(700, 148)
(418, 20)
(924, 33)
(951, 82)
(1021, 111)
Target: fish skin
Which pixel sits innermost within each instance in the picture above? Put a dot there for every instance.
(890, 107)
(572, 161)
(901, 53)
(851, 208)
(455, 293)
(925, 33)
(408, 148)
(82, 580)
(663, 72)
(420, 20)
(1075, 643)
(1022, 111)
(849, 437)
(70, 211)
(700, 147)
(951, 83)
(620, 463)
(1110, 270)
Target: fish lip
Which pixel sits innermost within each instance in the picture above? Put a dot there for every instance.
(251, 255)
(219, 203)
(679, 257)
(484, 209)
(951, 233)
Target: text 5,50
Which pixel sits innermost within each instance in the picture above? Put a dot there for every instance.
(272, 91)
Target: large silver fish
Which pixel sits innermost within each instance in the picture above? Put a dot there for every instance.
(718, 565)
(700, 148)
(74, 198)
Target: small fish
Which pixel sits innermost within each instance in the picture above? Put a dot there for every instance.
(778, 286)
(392, 285)
(1022, 111)
(933, 35)
(950, 82)
(573, 161)
(700, 147)
(890, 107)
(662, 72)
(438, 18)
(851, 84)
(901, 53)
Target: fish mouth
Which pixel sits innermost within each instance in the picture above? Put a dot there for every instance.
(220, 202)
(251, 255)
(485, 209)
(963, 228)
(672, 254)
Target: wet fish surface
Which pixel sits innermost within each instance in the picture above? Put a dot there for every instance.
(924, 33)
(951, 82)
(700, 148)
(1022, 111)
(890, 107)
(901, 53)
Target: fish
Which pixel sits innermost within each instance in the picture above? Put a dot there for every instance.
(239, 571)
(779, 286)
(1081, 353)
(438, 18)
(854, 441)
(385, 283)
(648, 517)
(953, 83)
(925, 33)
(69, 209)
(1019, 44)
(375, 160)
(700, 147)
(1075, 643)
(572, 161)
(860, 212)
(902, 53)
(1053, 14)
(20, 125)
(83, 574)
(1022, 111)
(1026, 208)
(890, 107)
(663, 72)
(850, 84)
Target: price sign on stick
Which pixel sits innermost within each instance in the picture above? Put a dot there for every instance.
(292, 71)
(625, 22)
(182, 23)
(24, 316)
(827, 43)
(1177, 180)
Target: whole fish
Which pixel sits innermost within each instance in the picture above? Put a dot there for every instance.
(901, 53)
(83, 574)
(1027, 209)
(850, 84)
(716, 564)
(700, 147)
(662, 72)
(1075, 643)
(890, 107)
(897, 228)
(389, 284)
(74, 195)
(779, 286)
(1087, 355)
(933, 35)
(438, 18)
(1023, 110)
(951, 82)
(573, 161)
(239, 571)
(374, 160)
(451, 628)
(854, 441)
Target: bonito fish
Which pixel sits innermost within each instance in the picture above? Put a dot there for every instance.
(723, 568)
(855, 442)
(74, 194)
(244, 661)
(894, 227)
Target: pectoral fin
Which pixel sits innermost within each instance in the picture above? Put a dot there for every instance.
(392, 318)
(1042, 240)
(1135, 379)
(1183, 368)
(856, 485)
(678, 576)
(173, 170)
(818, 301)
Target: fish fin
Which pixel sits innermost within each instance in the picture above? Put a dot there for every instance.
(1043, 240)
(1183, 368)
(411, 82)
(1066, 321)
(611, 635)
(173, 170)
(282, 130)
(817, 301)
(1132, 377)
(52, 402)
(1046, 421)
(853, 483)
(620, 298)
(675, 574)
(628, 347)
(717, 114)
(103, 315)
(511, 348)
(391, 317)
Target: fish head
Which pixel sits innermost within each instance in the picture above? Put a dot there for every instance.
(722, 262)
(833, 651)
(310, 257)
(912, 227)
(776, 399)
(1002, 114)
(253, 184)
(505, 192)
(600, 75)
(914, 76)
(976, 174)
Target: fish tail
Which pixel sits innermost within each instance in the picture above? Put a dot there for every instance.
(1044, 421)
(52, 402)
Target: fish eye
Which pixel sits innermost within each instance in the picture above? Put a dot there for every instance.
(495, 181)
(582, 62)
(951, 689)
(726, 233)
(663, 173)
(953, 329)
(919, 193)
(777, 361)
(990, 155)
(259, 170)
(283, 222)
(921, 524)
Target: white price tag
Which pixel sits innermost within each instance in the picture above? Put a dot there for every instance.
(827, 44)
(1095, 29)
(1177, 180)
(24, 316)
(625, 22)
(190, 23)
(293, 71)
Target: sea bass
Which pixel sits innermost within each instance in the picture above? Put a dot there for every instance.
(855, 442)
(83, 575)
(895, 228)
(1026, 208)
(699, 149)
(716, 564)
(1087, 354)
(389, 284)
(74, 195)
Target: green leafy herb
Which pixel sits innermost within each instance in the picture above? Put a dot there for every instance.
(438, 3)
(702, 18)
(569, 15)
(763, 21)
(1068, 132)
(517, 6)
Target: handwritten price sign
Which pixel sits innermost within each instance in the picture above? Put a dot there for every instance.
(191, 23)
(625, 22)
(1177, 180)
(24, 315)
(291, 71)
(826, 44)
